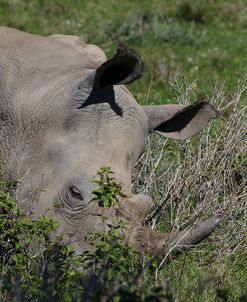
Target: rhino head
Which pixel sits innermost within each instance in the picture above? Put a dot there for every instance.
(64, 114)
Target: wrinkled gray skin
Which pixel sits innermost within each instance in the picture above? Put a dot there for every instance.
(64, 114)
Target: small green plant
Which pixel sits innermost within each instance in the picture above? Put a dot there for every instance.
(31, 267)
(108, 192)
(113, 261)
(116, 265)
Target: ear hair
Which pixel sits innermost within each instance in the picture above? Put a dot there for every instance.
(123, 68)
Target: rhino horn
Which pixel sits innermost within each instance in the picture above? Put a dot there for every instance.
(168, 245)
(188, 238)
(163, 245)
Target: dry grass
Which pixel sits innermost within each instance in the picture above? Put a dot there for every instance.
(203, 176)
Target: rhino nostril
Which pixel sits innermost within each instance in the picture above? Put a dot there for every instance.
(75, 193)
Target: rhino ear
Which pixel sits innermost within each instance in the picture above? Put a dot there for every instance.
(179, 121)
(123, 68)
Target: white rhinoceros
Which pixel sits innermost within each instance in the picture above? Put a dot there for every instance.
(64, 114)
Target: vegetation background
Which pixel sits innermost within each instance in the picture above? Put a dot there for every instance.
(192, 50)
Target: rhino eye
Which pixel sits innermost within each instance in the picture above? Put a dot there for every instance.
(75, 193)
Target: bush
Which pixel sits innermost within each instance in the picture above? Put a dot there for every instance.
(35, 269)
(31, 267)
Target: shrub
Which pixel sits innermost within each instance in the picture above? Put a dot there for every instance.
(35, 269)
(31, 267)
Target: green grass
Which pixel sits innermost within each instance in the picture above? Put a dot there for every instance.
(181, 42)
(202, 277)
(200, 40)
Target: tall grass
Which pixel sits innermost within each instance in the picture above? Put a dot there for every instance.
(198, 178)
